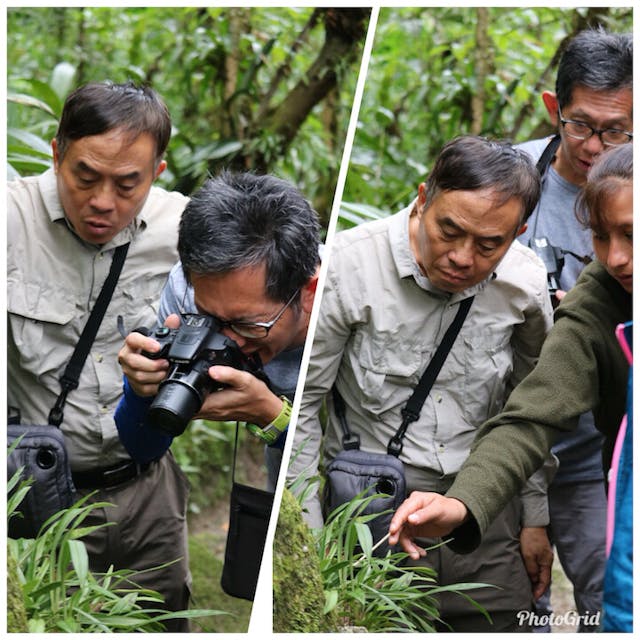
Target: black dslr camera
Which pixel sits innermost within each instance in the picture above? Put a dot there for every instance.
(191, 350)
(553, 258)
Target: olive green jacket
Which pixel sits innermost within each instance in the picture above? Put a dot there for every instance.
(581, 368)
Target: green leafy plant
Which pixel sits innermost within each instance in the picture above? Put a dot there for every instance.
(439, 72)
(377, 593)
(59, 591)
(353, 214)
(267, 89)
(28, 136)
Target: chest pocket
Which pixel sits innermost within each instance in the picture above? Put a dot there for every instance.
(42, 322)
(488, 365)
(386, 370)
(141, 297)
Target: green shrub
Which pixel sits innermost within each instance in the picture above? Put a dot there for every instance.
(205, 453)
(60, 593)
(377, 593)
(364, 591)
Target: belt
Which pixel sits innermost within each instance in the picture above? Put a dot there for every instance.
(110, 477)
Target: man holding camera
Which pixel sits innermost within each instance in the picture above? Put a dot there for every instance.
(592, 109)
(64, 227)
(249, 255)
(393, 288)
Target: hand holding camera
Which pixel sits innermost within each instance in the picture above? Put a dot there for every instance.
(181, 377)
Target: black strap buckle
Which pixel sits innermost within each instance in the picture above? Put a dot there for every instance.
(351, 441)
(56, 415)
(394, 448)
(408, 416)
(13, 416)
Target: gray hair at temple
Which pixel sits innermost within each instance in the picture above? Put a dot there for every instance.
(98, 107)
(470, 163)
(238, 220)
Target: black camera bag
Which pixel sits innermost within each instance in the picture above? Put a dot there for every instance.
(42, 456)
(41, 452)
(249, 515)
(353, 471)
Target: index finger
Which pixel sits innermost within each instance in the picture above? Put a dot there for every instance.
(413, 503)
(139, 342)
(228, 375)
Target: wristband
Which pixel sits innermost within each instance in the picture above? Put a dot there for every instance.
(272, 431)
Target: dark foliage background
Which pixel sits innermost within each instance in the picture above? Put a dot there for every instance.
(436, 73)
(262, 89)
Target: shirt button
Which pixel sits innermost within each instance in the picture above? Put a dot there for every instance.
(99, 357)
(439, 398)
(104, 408)
(441, 447)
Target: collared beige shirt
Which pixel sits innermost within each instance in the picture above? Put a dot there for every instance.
(380, 323)
(53, 281)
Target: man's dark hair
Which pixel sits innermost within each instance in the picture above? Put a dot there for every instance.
(470, 163)
(98, 107)
(597, 60)
(239, 220)
(612, 170)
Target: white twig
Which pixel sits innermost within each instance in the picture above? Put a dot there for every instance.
(375, 546)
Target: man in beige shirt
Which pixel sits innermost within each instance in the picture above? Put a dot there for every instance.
(63, 228)
(393, 287)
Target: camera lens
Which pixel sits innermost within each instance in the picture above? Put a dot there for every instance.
(173, 407)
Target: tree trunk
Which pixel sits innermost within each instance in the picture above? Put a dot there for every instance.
(82, 63)
(344, 31)
(482, 64)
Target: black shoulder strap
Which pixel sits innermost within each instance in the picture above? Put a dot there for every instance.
(411, 410)
(547, 155)
(349, 440)
(71, 375)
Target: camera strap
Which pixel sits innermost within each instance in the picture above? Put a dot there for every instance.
(411, 410)
(547, 155)
(71, 375)
(542, 165)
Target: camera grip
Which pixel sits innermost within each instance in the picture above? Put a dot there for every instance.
(163, 335)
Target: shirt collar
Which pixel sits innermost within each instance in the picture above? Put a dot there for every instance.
(49, 189)
(406, 264)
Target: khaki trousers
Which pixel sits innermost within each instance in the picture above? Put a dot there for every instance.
(150, 530)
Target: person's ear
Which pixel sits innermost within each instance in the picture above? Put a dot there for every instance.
(308, 293)
(56, 156)
(422, 195)
(551, 104)
(162, 165)
(522, 229)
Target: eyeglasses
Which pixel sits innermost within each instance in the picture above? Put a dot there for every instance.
(583, 131)
(254, 330)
